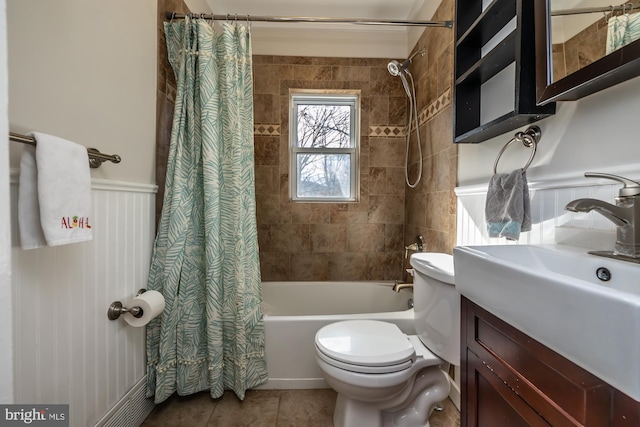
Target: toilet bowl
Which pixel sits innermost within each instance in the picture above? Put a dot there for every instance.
(385, 378)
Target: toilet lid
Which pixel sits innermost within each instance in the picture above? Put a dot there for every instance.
(365, 343)
(436, 265)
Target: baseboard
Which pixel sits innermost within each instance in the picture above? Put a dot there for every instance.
(131, 410)
(454, 394)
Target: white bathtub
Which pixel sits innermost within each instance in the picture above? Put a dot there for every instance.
(294, 311)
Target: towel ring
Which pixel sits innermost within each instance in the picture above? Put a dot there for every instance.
(529, 138)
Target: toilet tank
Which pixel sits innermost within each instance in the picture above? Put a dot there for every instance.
(436, 304)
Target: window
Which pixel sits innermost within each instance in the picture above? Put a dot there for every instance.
(324, 147)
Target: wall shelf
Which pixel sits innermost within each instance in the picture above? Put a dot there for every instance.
(474, 28)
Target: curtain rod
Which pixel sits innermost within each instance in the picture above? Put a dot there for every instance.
(288, 19)
(627, 7)
(96, 158)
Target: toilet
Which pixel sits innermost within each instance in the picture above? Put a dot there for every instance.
(384, 377)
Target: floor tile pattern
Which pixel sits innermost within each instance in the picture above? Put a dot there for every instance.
(263, 408)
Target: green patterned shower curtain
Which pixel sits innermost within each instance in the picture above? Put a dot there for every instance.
(205, 258)
(622, 30)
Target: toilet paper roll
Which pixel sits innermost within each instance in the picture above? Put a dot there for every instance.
(151, 303)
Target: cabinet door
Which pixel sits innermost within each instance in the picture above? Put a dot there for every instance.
(511, 380)
(490, 402)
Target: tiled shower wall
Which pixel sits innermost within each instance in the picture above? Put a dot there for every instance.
(315, 241)
(330, 241)
(431, 206)
(349, 241)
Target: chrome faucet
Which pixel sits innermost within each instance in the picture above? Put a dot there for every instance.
(624, 214)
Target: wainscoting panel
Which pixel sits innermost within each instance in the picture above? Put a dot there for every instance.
(66, 350)
(551, 223)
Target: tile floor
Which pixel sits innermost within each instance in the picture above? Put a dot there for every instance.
(263, 408)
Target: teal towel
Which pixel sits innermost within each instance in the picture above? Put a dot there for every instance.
(508, 209)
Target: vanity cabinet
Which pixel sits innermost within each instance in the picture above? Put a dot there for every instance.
(474, 28)
(511, 380)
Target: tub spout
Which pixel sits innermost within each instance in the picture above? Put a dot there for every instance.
(397, 287)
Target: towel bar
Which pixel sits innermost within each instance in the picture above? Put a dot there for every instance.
(529, 138)
(96, 158)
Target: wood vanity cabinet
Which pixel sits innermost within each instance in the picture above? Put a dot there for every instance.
(511, 380)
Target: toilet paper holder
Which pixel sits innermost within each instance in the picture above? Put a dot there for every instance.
(116, 309)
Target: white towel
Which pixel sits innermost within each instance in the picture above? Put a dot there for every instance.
(54, 196)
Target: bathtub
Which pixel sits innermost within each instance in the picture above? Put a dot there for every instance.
(294, 311)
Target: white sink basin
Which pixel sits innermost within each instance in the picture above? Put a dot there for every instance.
(553, 294)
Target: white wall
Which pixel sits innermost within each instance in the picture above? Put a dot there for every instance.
(330, 40)
(598, 133)
(310, 40)
(318, 40)
(6, 322)
(86, 71)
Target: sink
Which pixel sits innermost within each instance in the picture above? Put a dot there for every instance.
(558, 295)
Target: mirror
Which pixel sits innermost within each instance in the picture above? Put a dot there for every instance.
(583, 46)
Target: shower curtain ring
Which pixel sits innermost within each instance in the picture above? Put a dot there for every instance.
(610, 13)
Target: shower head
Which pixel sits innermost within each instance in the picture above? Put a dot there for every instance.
(396, 68)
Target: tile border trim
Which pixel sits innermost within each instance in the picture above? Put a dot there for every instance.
(375, 131)
(427, 113)
(387, 131)
(435, 107)
(266, 129)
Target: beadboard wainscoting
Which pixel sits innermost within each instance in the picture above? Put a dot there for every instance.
(66, 350)
(551, 223)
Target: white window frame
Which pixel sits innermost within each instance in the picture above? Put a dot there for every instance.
(325, 97)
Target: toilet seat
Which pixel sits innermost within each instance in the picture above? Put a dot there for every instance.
(363, 369)
(369, 346)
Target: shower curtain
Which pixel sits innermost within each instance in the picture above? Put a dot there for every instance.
(205, 258)
(622, 30)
